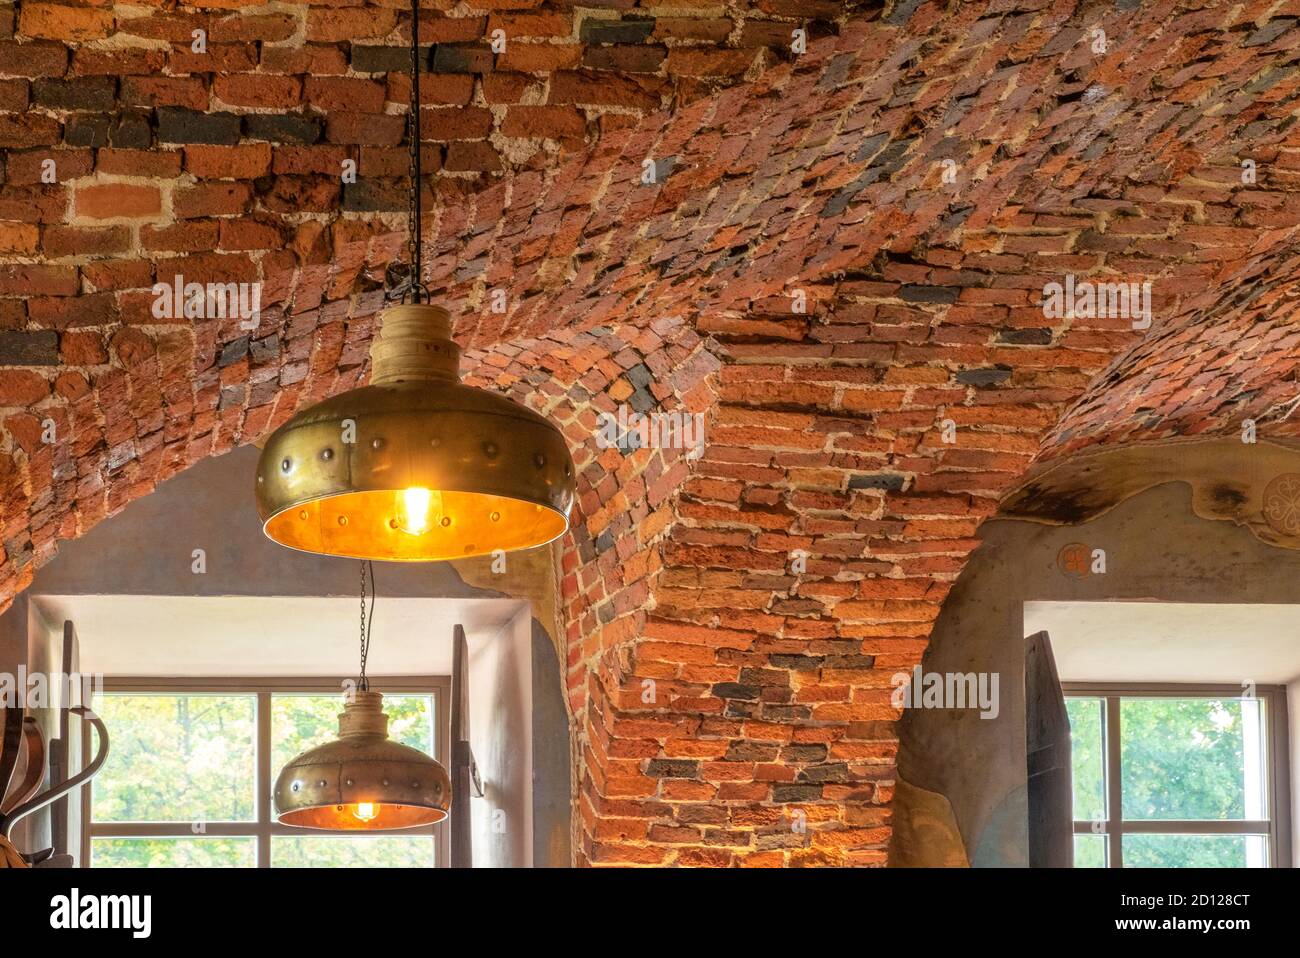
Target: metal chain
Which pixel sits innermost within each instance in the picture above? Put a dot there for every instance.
(415, 210)
(413, 282)
(362, 682)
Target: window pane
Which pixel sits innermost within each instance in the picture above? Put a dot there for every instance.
(1192, 759)
(173, 852)
(352, 851)
(1088, 757)
(1195, 851)
(299, 722)
(1089, 851)
(177, 758)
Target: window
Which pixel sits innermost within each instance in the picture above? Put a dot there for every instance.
(1178, 776)
(189, 773)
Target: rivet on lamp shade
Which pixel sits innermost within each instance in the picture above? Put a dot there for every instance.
(435, 470)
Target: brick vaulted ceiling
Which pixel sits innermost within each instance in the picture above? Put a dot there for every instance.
(820, 173)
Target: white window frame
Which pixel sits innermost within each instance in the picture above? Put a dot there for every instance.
(1277, 827)
(264, 827)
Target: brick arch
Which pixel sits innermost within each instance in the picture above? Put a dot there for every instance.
(822, 176)
(611, 558)
(1207, 400)
(1232, 357)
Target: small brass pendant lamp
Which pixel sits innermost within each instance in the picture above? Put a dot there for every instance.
(415, 467)
(362, 780)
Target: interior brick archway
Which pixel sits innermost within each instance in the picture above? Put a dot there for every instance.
(804, 266)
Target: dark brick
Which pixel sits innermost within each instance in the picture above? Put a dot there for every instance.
(836, 71)
(265, 350)
(1026, 337)
(1269, 32)
(179, 125)
(21, 348)
(233, 351)
(19, 551)
(796, 793)
(835, 774)
(798, 663)
(983, 377)
(87, 129)
(373, 59)
(282, 128)
(929, 294)
(878, 480)
(840, 202)
(737, 709)
(902, 11)
(640, 376)
(86, 93)
(892, 158)
(734, 690)
(786, 713)
(643, 401)
(462, 58)
(131, 131)
(664, 168)
(597, 30)
(263, 393)
(672, 768)
(375, 194)
(587, 552)
(870, 146)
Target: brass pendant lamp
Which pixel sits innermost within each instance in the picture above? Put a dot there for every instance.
(415, 467)
(433, 470)
(362, 780)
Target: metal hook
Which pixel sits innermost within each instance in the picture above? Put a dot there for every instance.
(7, 822)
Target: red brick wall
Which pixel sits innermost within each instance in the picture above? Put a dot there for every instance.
(767, 737)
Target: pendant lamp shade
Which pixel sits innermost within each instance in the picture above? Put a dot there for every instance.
(362, 781)
(416, 466)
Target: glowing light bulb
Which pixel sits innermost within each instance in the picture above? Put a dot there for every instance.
(415, 510)
(365, 811)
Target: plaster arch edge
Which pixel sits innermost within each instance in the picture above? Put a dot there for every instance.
(1258, 489)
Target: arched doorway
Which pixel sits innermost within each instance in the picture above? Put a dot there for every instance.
(1160, 574)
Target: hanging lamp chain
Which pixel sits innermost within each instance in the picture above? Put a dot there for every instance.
(413, 284)
(367, 621)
